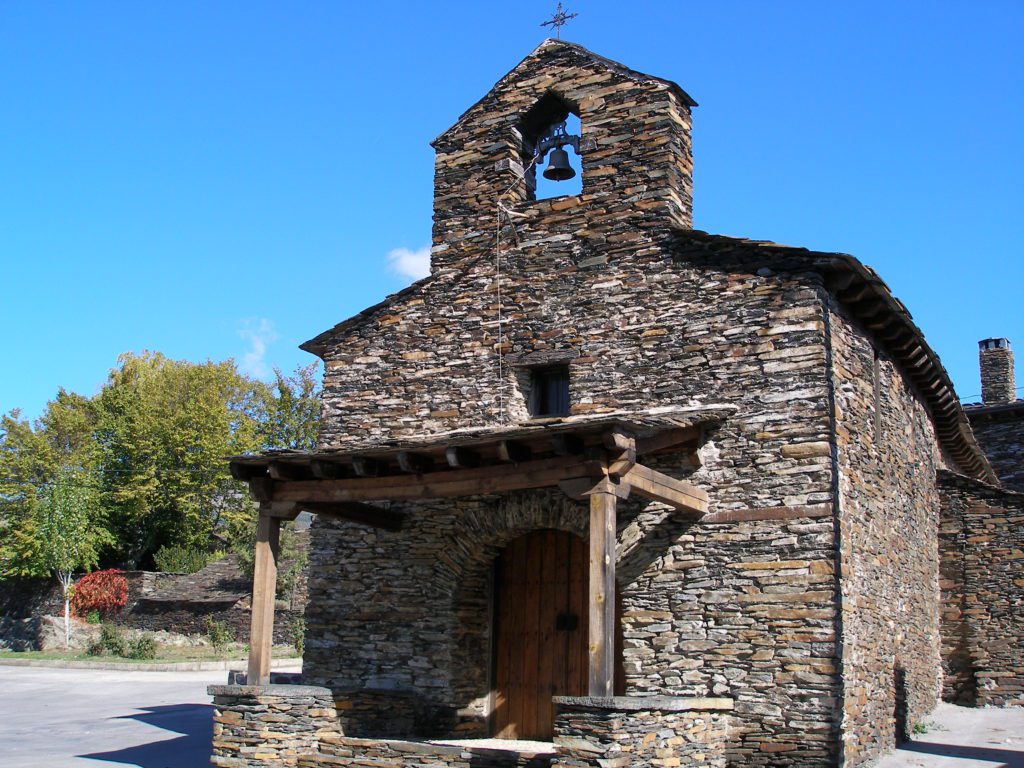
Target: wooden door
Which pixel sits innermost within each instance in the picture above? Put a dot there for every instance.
(540, 646)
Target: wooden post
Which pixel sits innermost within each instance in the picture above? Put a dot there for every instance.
(264, 589)
(602, 592)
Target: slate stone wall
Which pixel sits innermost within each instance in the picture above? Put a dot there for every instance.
(888, 568)
(399, 623)
(641, 733)
(258, 726)
(189, 618)
(602, 733)
(637, 164)
(998, 383)
(958, 679)
(417, 754)
(1001, 436)
(645, 318)
(983, 592)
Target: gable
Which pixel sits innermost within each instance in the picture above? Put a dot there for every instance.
(558, 54)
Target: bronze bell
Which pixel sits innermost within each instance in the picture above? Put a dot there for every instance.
(558, 166)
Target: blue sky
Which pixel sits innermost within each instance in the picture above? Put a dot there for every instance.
(217, 180)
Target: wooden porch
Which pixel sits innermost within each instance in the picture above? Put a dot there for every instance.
(596, 459)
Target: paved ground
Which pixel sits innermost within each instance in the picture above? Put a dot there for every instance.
(959, 737)
(73, 718)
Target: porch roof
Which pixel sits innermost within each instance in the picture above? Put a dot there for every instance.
(655, 430)
(575, 454)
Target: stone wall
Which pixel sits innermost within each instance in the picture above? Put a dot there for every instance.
(597, 733)
(1000, 432)
(745, 610)
(21, 598)
(190, 617)
(998, 384)
(399, 623)
(641, 732)
(888, 568)
(958, 680)
(360, 753)
(636, 163)
(270, 725)
(645, 315)
(983, 592)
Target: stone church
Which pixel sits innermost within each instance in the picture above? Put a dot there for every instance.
(627, 492)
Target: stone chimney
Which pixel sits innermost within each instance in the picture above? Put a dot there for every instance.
(997, 383)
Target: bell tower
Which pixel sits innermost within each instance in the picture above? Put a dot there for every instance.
(634, 146)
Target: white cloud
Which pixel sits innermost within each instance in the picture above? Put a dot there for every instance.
(259, 333)
(411, 264)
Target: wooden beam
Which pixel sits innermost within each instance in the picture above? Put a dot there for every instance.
(326, 470)
(622, 453)
(601, 594)
(500, 478)
(768, 513)
(414, 463)
(283, 510)
(666, 440)
(512, 451)
(264, 588)
(246, 472)
(566, 444)
(366, 467)
(657, 486)
(357, 512)
(461, 458)
(617, 440)
(581, 488)
(841, 281)
(280, 470)
(262, 488)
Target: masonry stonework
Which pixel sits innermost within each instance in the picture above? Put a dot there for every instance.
(982, 550)
(632, 732)
(1000, 432)
(998, 384)
(808, 594)
(270, 726)
(888, 563)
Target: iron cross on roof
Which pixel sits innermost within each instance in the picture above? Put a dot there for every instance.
(559, 20)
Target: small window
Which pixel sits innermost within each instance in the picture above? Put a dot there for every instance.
(549, 391)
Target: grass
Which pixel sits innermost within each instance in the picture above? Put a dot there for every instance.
(164, 655)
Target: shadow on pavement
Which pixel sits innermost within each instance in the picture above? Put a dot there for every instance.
(194, 721)
(1005, 758)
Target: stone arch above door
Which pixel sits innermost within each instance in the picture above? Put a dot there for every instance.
(465, 572)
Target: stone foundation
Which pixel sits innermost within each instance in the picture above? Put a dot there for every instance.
(270, 725)
(626, 731)
(296, 725)
(414, 754)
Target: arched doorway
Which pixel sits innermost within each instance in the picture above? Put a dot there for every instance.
(540, 631)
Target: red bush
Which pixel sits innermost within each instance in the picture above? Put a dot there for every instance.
(102, 591)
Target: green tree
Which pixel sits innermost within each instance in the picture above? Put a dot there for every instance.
(31, 458)
(64, 534)
(164, 430)
(155, 442)
(24, 469)
(291, 417)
